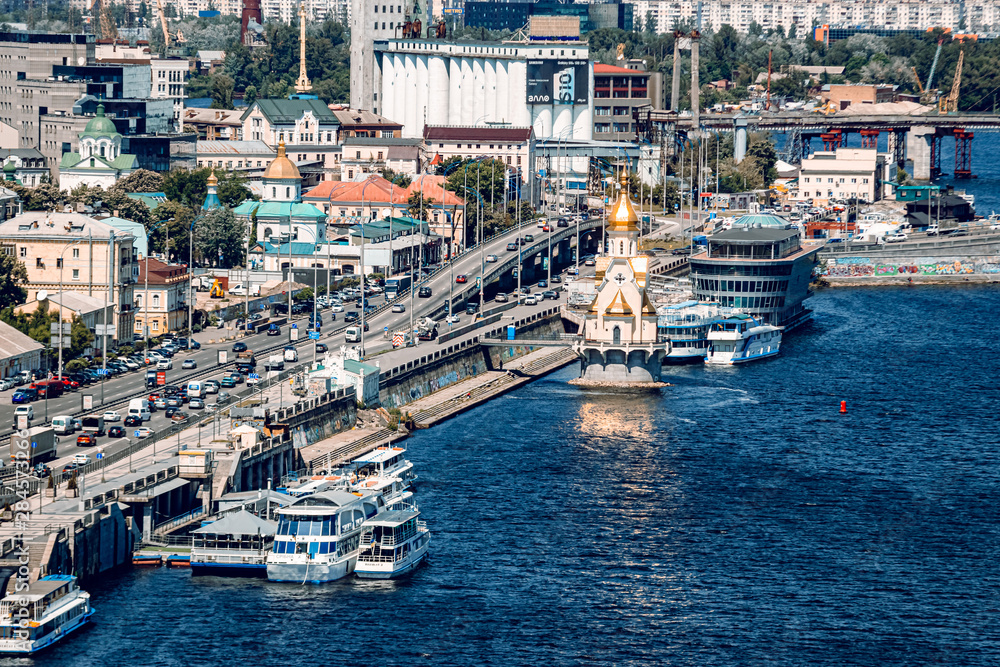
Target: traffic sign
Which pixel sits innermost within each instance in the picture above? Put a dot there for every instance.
(137, 433)
(295, 326)
(100, 455)
(314, 335)
(254, 376)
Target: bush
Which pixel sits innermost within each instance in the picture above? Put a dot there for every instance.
(76, 365)
(125, 350)
(72, 482)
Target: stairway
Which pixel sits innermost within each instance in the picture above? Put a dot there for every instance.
(354, 449)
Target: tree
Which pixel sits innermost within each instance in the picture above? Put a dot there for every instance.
(419, 207)
(123, 206)
(13, 275)
(222, 91)
(140, 180)
(45, 197)
(80, 337)
(220, 238)
(86, 195)
(232, 188)
(179, 219)
(400, 180)
(250, 95)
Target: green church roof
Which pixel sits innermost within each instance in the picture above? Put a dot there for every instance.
(100, 125)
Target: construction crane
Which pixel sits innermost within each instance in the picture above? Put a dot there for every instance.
(950, 104)
(108, 29)
(937, 54)
(178, 37)
(917, 77)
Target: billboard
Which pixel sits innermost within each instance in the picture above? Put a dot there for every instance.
(558, 81)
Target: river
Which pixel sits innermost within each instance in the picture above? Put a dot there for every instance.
(735, 519)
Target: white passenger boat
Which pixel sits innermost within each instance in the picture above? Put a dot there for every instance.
(740, 338)
(318, 536)
(392, 544)
(385, 462)
(47, 611)
(687, 324)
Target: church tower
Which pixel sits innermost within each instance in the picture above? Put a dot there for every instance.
(621, 346)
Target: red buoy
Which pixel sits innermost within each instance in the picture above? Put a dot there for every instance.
(843, 407)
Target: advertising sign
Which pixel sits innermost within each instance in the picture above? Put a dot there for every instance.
(558, 81)
(161, 378)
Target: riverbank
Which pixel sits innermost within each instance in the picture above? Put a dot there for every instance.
(904, 280)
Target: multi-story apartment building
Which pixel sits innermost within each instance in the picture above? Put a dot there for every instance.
(514, 146)
(74, 252)
(618, 91)
(161, 297)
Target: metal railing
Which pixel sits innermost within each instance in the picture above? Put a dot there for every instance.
(187, 517)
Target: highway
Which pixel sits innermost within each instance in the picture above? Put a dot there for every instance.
(132, 384)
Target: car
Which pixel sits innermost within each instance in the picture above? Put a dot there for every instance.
(556, 280)
(471, 308)
(546, 228)
(512, 246)
(337, 308)
(211, 407)
(112, 416)
(86, 440)
(528, 238)
(572, 271)
(589, 262)
(224, 397)
(550, 294)
(956, 231)
(160, 403)
(562, 223)
(178, 417)
(164, 365)
(239, 347)
(451, 319)
(898, 237)
(352, 317)
(6, 384)
(490, 259)
(81, 459)
(20, 397)
(500, 298)
(530, 300)
(116, 432)
(132, 366)
(321, 348)
(424, 292)
(274, 330)
(41, 471)
(174, 402)
(143, 432)
(25, 410)
(196, 404)
(525, 289)
(398, 308)
(461, 278)
(253, 380)
(133, 420)
(189, 363)
(170, 412)
(211, 386)
(236, 377)
(543, 283)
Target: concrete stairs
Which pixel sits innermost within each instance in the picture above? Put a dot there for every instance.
(357, 448)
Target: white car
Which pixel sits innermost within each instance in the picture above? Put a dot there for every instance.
(144, 432)
(253, 380)
(895, 238)
(81, 459)
(112, 416)
(337, 308)
(6, 384)
(164, 365)
(132, 366)
(530, 300)
(490, 259)
(24, 410)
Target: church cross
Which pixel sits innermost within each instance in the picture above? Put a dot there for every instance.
(619, 278)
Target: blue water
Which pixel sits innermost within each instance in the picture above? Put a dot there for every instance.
(736, 519)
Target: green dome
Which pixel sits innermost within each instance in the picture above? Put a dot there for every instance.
(9, 167)
(100, 125)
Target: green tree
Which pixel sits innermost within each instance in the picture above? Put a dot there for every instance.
(140, 180)
(222, 91)
(120, 204)
(220, 238)
(81, 337)
(250, 95)
(419, 206)
(13, 275)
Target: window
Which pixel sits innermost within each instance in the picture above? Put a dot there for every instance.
(288, 192)
(807, 179)
(841, 180)
(357, 155)
(59, 262)
(854, 180)
(22, 251)
(156, 300)
(380, 155)
(829, 180)
(76, 274)
(865, 181)
(156, 325)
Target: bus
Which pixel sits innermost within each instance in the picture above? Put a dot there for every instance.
(397, 286)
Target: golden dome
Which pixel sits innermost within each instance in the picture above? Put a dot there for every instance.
(281, 167)
(622, 217)
(212, 180)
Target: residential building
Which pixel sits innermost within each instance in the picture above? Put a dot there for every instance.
(843, 174)
(514, 146)
(348, 203)
(247, 156)
(363, 123)
(100, 161)
(162, 305)
(515, 15)
(759, 266)
(213, 124)
(29, 168)
(842, 96)
(136, 229)
(92, 311)
(74, 252)
(364, 155)
(618, 93)
(291, 121)
(18, 352)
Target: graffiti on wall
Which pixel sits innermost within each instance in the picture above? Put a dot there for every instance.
(431, 382)
(852, 267)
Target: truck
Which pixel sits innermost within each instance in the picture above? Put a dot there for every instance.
(94, 424)
(291, 354)
(426, 329)
(150, 379)
(34, 445)
(276, 362)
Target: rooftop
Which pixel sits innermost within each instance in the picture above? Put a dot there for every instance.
(382, 141)
(235, 148)
(238, 523)
(470, 133)
(78, 302)
(601, 68)
(768, 234)
(381, 191)
(13, 342)
(350, 117)
(56, 226)
(284, 112)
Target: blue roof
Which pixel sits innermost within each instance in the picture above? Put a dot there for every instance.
(760, 220)
(298, 248)
(58, 577)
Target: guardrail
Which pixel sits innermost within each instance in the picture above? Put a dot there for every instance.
(848, 247)
(187, 517)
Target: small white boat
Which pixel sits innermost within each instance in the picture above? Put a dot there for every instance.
(740, 338)
(50, 608)
(392, 544)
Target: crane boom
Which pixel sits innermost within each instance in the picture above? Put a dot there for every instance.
(163, 24)
(950, 103)
(937, 54)
(108, 29)
(917, 77)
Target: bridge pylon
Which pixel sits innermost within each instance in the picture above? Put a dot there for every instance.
(963, 153)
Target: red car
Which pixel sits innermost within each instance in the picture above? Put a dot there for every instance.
(85, 440)
(461, 278)
(546, 228)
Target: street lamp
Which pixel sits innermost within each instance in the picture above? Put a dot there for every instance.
(482, 282)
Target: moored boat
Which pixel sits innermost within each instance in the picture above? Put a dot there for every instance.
(235, 545)
(740, 338)
(50, 609)
(393, 543)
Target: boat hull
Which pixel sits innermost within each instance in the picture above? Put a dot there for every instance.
(258, 570)
(365, 572)
(311, 572)
(684, 358)
(16, 647)
(730, 361)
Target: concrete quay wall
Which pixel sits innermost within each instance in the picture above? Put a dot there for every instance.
(441, 369)
(981, 259)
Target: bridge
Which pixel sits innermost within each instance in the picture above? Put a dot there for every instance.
(914, 137)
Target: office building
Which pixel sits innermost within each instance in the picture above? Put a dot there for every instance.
(845, 173)
(515, 15)
(618, 93)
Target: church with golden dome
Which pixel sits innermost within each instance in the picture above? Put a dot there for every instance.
(283, 218)
(620, 344)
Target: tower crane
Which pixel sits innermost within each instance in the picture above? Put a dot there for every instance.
(950, 104)
(108, 29)
(917, 77)
(178, 37)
